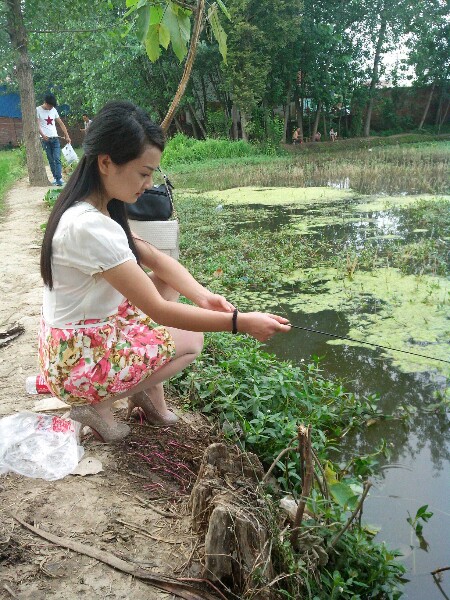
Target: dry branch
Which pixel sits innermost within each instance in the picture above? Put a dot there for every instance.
(279, 457)
(10, 334)
(304, 436)
(167, 584)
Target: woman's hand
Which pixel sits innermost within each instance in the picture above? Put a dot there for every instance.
(215, 302)
(261, 326)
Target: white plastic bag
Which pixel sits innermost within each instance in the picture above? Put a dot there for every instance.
(39, 446)
(69, 154)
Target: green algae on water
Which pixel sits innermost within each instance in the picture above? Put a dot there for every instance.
(382, 203)
(412, 314)
(278, 195)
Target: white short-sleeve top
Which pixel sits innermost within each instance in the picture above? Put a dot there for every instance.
(86, 243)
(47, 120)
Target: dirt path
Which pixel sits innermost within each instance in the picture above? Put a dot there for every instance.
(98, 510)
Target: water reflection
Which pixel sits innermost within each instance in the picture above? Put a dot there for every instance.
(365, 371)
(341, 184)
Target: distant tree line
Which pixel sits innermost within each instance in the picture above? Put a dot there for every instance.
(323, 57)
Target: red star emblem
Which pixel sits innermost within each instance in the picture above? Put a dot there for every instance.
(49, 120)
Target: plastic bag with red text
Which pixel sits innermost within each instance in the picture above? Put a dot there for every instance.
(39, 445)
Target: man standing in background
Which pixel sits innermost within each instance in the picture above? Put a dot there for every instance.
(47, 117)
(87, 122)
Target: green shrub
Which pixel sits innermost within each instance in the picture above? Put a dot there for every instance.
(260, 401)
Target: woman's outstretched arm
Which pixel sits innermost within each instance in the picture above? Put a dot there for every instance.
(131, 281)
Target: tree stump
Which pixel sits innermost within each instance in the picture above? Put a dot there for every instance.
(226, 506)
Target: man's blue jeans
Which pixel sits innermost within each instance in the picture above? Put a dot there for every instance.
(52, 148)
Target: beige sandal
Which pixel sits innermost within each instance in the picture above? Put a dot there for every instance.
(153, 416)
(87, 415)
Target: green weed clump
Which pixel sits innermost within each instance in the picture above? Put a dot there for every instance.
(183, 149)
(51, 196)
(11, 169)
(268, 398)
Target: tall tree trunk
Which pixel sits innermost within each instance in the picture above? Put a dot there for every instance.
(444, 116)
(234, 118)
(188, 65)
(375, 70)
(18, 36)
(205, 99)
(193, 122)
(196, 121)
(316, 120)
(324, 124)
(178, 125)
(287, 112)
(346, 125)
(199, 102)
(427, 106)
(439, 108)
(244, 126)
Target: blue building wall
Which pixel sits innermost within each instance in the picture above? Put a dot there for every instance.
(10, 105)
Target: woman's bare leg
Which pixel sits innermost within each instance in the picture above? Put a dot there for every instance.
(188, 345)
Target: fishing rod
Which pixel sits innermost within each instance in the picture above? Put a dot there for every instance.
(340, 337)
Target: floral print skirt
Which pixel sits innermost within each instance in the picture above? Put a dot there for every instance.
(96, 359)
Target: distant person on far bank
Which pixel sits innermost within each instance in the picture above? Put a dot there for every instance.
(47, 117)
(333, 135)
(317, 136)
(87, 121)
(296, 136)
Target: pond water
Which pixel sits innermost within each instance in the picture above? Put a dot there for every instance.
(386, 307)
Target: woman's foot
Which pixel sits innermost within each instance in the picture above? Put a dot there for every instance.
(108, 432)
(156, 413)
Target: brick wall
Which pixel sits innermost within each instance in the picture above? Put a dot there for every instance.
(407, 102)
(11, 133)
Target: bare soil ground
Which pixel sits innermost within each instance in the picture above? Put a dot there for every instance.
(113, 510)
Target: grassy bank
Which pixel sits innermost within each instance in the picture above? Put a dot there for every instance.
(11, 169)
(391, 169)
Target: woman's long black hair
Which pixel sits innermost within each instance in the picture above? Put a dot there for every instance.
(121, 130)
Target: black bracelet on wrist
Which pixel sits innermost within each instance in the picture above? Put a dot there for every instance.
(235, 314)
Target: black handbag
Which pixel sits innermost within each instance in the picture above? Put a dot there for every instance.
(155, 204)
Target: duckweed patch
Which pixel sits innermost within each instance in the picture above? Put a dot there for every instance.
(270, 196)
(382, 203)
(412, 314)
(311, 258)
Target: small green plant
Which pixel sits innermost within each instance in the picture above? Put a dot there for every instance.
(423, 514)
(22, 152)
(51, 195)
